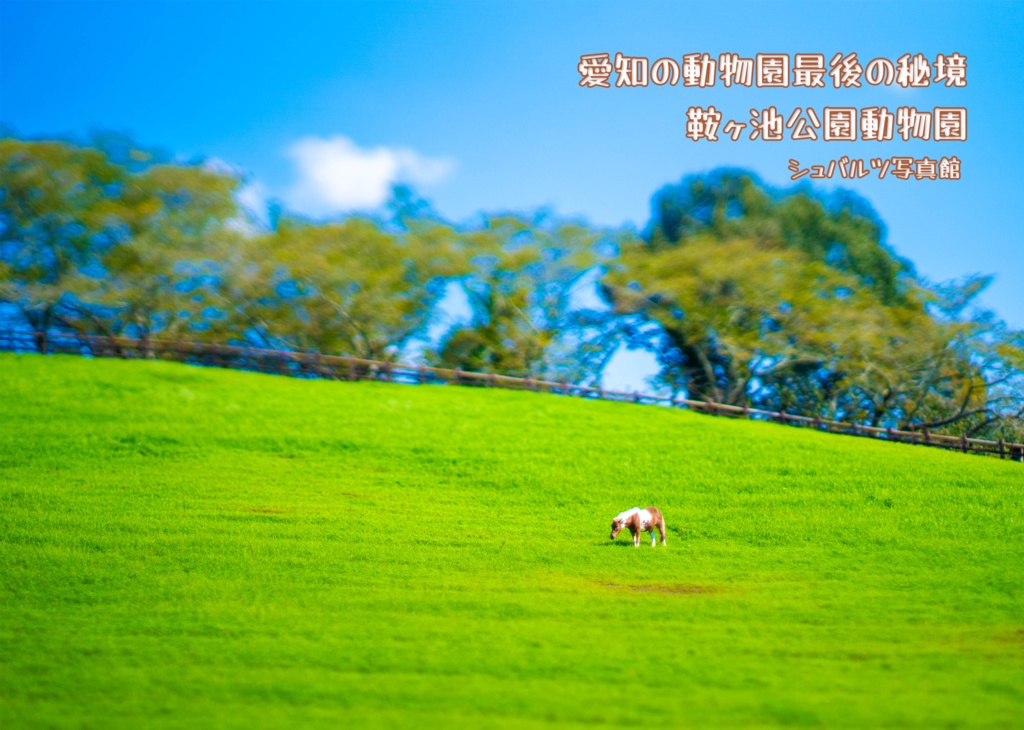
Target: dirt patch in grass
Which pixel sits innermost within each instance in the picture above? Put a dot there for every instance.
(678, 588)
(1012, 637)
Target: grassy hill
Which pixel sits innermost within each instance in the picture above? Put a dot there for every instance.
(193, 547)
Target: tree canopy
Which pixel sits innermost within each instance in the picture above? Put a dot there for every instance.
(794, 301)
(787, 299)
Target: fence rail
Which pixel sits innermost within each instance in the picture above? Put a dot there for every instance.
(316, 365)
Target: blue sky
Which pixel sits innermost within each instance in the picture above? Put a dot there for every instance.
(479, 105)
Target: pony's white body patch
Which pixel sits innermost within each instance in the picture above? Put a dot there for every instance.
(646, 518)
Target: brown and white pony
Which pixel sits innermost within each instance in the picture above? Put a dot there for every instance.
(638, 520)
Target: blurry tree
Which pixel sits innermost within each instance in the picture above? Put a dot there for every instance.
(99, 239)
(58, 206)
(788, 303)
(349, 287)
(971, 379)
(840, 229)
(763, 297)
(519, 278)
(155, 275)
(737, 314)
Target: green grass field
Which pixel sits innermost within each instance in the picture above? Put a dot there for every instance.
(186, 547)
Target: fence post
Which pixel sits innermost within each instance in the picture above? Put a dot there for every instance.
(352, 375)
(963, 442)
(421, 374)
(456, 377)
(636, 396)
(746, 410)
(1002, 449)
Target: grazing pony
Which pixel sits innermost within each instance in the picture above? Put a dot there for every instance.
(638, 520)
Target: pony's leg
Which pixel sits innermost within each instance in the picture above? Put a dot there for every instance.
(661, 530)
(636, 539)
(653, 542)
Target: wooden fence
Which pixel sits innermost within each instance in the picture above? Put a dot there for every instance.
(316, 365)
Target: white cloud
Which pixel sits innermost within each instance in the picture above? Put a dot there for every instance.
(335, 175)
(253, 197)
